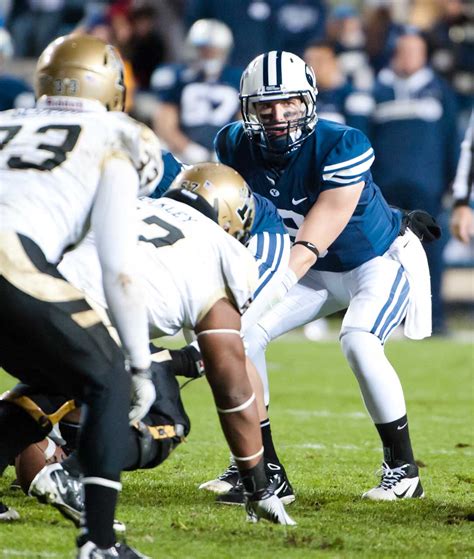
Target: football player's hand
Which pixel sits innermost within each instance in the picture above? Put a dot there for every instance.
(143, 394)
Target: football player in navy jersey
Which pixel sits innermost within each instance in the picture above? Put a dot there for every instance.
(350, 249)
(197, 98)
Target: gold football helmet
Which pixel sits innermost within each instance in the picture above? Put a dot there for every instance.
(228, 196)
(81, 66)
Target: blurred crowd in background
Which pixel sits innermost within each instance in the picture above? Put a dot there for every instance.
(400, 70)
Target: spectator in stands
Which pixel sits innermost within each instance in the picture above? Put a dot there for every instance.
(35, 23)
(414, 136)
(345, 29)
(451, 42)
(337, 99)
(262, 25)
(14, 92)
(198, 98)
(382, 33)
(146, 47)
(462, 218)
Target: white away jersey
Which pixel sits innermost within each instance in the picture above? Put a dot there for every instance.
(51, 160)
(186, 262)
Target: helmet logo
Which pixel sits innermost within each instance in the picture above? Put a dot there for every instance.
(274, 192)
(309, 76)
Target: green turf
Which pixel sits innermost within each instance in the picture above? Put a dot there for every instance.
(331, 452)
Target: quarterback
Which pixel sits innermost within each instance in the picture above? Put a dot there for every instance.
(72, 163)
(350, 249)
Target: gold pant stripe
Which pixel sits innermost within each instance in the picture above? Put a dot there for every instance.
(19, 270)
(85, 319)
(161, 356)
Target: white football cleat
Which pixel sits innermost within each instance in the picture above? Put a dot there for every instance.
(54, 486)
(224, 483)
(88, 550)
(265, 504)
(8, 514)
(401, 482)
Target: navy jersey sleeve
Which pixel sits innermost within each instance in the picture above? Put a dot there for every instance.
(348, 162)
(172, 167)
(165, 83)
(267, 219)
(225, 141)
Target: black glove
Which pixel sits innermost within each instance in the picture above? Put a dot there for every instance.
(423, 224)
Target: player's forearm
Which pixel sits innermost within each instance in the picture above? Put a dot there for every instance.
(128, 312)
(322, 226)
(114, 224)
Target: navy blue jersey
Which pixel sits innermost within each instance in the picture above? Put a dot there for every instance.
(414, 135)
(267, 218)
(204, 105)
(345, 105)
(15, 93)
(262, 25)
(333, 157)
(171, 168)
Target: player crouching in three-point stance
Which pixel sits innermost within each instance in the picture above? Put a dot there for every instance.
(71, 161)
(197, 275)
(351, 250)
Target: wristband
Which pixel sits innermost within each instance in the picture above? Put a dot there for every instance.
(309, 246)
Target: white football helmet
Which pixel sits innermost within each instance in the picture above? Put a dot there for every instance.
(278, 75)
(213, 36)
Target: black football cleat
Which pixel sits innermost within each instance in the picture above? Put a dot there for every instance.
(282, 489)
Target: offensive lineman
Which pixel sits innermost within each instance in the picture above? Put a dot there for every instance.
(207, 279)
(72, 162)
(350, 249)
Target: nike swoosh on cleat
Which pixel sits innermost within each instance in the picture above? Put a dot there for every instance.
(296, 202)
(401, 494)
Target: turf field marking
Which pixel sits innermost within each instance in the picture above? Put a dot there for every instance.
(327, 413)
(20, 553)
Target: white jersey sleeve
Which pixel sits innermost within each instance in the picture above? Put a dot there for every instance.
(114, 227)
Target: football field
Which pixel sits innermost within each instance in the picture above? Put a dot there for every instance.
(331, 452)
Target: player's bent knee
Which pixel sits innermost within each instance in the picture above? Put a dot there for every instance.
(355, 342)
(256, 340)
